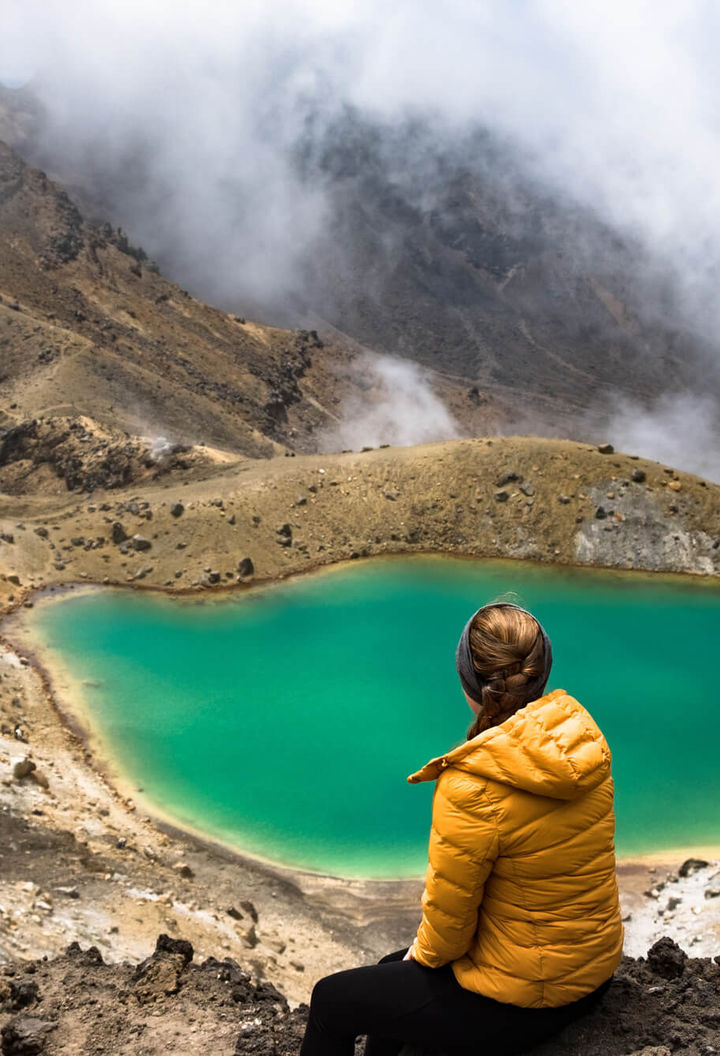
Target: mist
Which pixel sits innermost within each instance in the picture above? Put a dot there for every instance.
(208, 123)
(679, 430)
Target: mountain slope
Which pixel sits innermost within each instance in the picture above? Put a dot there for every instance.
(87, 327)
(440, 246)
(456, 257)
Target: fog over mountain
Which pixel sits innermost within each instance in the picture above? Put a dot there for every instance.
(524, 195)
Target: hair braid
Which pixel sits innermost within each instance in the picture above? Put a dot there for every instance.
(508, 651)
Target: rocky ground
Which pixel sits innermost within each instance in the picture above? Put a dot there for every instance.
(76, 1004)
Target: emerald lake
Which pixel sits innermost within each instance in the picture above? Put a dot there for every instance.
(284, 720)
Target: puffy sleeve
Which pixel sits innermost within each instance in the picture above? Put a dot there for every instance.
(463, 848)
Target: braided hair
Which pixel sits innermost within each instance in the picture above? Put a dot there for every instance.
(508, 652)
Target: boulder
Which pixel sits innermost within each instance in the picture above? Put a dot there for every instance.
(691, 865)
(160, 974)
(667, 959)
(140, 542)
(23, 768)
(25, 1035)
(17, 994)
(118, 533)
(250, 937)
(639, 476)
(177, 509)
(246, 568)
(606, 449)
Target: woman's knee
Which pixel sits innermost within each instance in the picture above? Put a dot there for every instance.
(329, 992)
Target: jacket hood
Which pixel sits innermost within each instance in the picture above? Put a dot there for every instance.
(551, 747)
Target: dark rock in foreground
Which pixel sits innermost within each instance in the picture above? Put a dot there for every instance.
(76, 1003)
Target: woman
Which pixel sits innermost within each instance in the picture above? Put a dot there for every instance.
(521, 928)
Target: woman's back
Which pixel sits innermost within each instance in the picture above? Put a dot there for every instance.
(522, 851)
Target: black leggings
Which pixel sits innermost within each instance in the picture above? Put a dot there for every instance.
(399, 1002)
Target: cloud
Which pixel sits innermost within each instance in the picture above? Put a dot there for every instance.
(614, 103)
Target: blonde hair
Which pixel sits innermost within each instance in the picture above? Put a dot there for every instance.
(508, 651)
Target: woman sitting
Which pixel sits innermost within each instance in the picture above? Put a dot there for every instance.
(521, 927)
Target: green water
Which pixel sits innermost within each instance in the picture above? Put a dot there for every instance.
(286, 720)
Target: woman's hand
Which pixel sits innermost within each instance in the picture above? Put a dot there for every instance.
(408, 956)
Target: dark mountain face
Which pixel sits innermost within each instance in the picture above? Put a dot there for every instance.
(447, 254)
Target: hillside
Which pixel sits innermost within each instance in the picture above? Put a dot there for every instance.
(441, 249)
(543, 500)
(89, 329)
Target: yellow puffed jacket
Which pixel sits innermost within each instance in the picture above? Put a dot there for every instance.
(520, 893)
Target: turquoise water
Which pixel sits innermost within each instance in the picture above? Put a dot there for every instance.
(286, 720)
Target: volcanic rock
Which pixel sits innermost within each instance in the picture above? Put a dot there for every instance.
(25, 1036)
(246, 568)
(691, 865)
(667, 959)
(118, 533)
